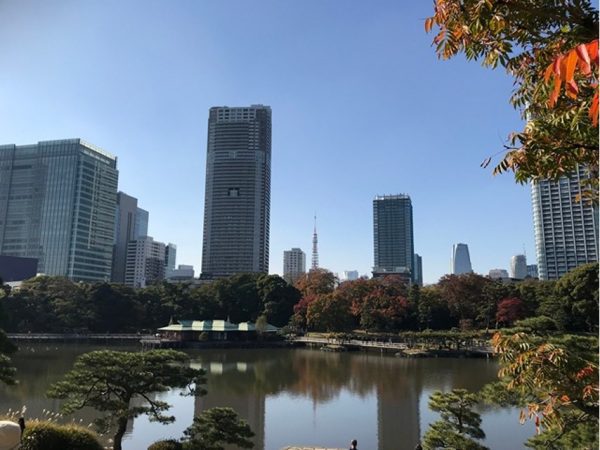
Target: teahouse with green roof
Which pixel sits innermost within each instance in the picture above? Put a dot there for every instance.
(213, 330)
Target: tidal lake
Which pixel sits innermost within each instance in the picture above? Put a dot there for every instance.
(293, 396)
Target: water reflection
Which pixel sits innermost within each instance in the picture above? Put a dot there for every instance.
(290, 397)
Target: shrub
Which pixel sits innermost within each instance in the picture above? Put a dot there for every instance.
(169, 444)
(52, 436)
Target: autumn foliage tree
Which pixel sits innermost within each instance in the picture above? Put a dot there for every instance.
(551, 49)
(557, 380)
(509, 310)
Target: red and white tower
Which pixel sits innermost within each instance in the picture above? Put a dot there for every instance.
(315, 249)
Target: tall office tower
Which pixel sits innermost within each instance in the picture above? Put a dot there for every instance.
(170, 257)
(532, 270)
(566, 230)
(294, 264)
(518, 267)
(315, 249)
(125, 220)
(238, 191)
(418, 269)
(145, 262)
(393, 236)
(57, 204)
(140, 228)
(461, 261)
(498, 274)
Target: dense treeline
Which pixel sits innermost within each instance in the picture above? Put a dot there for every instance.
(315, 303)
(55, 304)
(468, 301)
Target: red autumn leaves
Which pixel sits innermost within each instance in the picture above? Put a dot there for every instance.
(563, 69)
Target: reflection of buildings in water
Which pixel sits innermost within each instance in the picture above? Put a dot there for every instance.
(249, 404)
(398, 426)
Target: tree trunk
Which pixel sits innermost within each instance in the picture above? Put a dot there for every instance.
(121, 428)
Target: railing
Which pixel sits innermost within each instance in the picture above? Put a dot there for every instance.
(378, 344)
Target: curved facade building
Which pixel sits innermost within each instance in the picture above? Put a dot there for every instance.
(461, 261)
(518, 267)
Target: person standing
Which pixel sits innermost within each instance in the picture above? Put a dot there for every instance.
(353, 444)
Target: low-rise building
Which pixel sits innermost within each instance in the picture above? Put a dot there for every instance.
(213, 330)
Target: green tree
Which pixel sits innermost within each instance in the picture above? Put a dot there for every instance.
(108, 381)
(464, 294)
(543, 44)
(7, 371)
(460, 425)
(577, 294)
(214, 428)
(433, 312)
(277, 298)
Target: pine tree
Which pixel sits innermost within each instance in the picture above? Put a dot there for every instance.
(460, 425)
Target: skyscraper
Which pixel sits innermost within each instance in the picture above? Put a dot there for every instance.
(141, 223)
(518, 267)
(566, 230)
(294, 264)
(145, 262)
(238, 191)
(57, 204)
(131, 223)
(461, 261)
(418, 269)
(393, 236)
(170, 257)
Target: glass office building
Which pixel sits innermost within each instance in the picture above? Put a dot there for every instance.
(57, 204)
(393, 236)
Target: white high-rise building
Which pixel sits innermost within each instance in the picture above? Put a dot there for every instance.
(461, 261)
(294, 264)
(145, 262)
(349, 275)
(518, 267)
(566, 230)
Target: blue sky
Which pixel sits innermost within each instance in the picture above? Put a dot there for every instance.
(361, 107)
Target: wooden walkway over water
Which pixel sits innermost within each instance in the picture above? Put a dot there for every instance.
(388, 346)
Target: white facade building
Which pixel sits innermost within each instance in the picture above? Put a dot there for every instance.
(145, 262)
(349, 275)
(461, 260)
(498, 274)
(294, 264)
(518, 267)
(182, 273)
(566, 230)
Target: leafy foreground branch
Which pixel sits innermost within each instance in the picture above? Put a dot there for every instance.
(553, 379)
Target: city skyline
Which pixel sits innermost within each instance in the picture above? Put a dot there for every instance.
(346, 127)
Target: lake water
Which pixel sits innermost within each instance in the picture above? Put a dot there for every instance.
(294, 396)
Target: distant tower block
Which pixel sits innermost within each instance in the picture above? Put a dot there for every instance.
(315, 249)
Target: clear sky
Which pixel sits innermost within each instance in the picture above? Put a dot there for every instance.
(361, 106)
